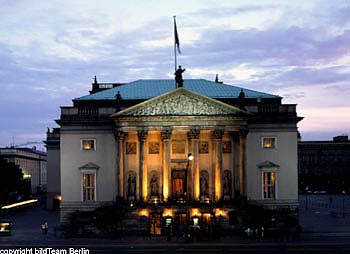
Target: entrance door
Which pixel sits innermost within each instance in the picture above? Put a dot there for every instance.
(207, 223)
(181, 224)
(155, 225)
(178, 184)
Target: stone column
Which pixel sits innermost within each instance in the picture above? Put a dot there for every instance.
(242, 162)
(217, 138)
(193, 170)
(236, 167)
(142, 134)
(121, 172)
(165, 135)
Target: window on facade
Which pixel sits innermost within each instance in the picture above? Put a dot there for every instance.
(88, 144)
(269, 184)
(269, 142)
(88, 187)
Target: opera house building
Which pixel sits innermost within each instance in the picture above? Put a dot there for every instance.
(184, 154)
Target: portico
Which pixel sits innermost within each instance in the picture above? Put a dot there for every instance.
(155, 137)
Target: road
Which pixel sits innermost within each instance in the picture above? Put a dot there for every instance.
(326, 229)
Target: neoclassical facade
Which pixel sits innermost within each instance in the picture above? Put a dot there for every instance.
(156, 137)
(203, 143)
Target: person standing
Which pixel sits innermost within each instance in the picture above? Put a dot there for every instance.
(45, 227)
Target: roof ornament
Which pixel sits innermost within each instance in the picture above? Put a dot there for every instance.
(241, 99)
(118, 99)
(95, 80)
(217, 79)
(178, 76)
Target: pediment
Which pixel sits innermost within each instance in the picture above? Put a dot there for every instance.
(181, 102)
(89, 166)
(268, 164)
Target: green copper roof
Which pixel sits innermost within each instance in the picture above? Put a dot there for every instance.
(148, 88)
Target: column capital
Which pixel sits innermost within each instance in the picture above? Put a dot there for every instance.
(217, 134)
(165, 134)
(142, 134)
(243, 132)
(193, 133)
(120, 135)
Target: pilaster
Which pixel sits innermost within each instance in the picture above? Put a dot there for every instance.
(217, 140)
(193, 136)
(120, 168)
(143, 179)
(165, 135)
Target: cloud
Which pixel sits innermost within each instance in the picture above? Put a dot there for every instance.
(51, 50)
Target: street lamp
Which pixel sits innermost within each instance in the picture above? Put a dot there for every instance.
(190, 157)
(187, 236)
(343, 194)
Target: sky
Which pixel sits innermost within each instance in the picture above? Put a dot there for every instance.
(51, 50)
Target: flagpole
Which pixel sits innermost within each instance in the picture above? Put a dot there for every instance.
(175, 55)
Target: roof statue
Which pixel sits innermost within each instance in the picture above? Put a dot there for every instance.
(178, 76)
(241, 98)
(217, 79)
(118, 99)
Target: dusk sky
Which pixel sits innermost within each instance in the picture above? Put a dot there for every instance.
(51, 50)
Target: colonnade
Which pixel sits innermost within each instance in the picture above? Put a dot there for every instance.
(238, 139)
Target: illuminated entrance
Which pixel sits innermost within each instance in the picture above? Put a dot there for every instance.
(155, 224)
(207, 223)
(181, 223)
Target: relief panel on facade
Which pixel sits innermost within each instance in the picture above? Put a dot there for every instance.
(181, 102)
(226, 147)
(153, 147)
(130, 148)
(203, 146)
(178, 147)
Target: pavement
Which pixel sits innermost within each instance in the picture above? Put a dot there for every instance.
(323, 223)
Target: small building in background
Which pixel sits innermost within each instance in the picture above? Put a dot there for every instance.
(324, 166)
(32, 162)
(53, 194)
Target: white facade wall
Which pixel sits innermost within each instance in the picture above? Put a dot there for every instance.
(73, 158)
(284, 155)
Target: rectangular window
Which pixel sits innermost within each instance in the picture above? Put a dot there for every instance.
(269, 183)
(269, 142)
(88, 144)
(88, 187)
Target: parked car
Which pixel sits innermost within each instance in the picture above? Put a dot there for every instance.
(5, 227)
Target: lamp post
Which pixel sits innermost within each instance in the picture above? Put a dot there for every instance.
(343, 195)
(189, 158)
(187, 233)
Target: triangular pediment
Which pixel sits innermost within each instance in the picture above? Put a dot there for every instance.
(268, 164)
(89, 166)
(181, 102)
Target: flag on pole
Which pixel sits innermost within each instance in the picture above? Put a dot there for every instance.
(177, 42)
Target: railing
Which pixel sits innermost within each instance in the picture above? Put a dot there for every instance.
(85, 113)
(272, 108)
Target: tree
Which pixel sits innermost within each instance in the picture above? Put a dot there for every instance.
(11, 181)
